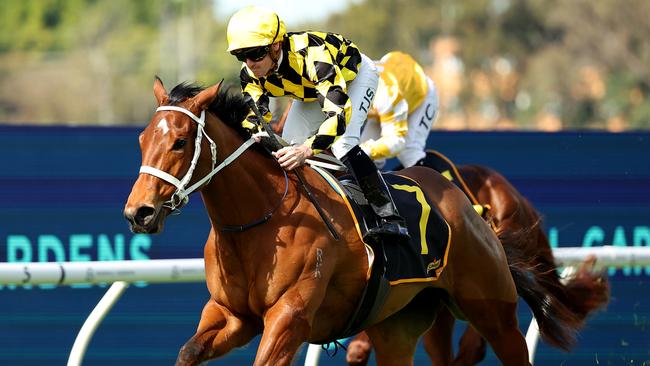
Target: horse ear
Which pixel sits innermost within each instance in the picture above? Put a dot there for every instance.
(206, 97)
(159, 91)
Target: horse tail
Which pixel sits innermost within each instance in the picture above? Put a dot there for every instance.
(560, 308)
(538, 284)
(587, 291)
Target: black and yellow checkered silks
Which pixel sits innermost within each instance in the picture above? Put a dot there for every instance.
(316, 66)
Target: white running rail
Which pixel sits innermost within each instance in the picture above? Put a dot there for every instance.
(92, 322)
(121, 273)
(67, 273)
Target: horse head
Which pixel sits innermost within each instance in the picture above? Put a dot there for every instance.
(173, 147)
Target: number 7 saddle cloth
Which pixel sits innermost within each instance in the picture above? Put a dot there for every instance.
(391, 264)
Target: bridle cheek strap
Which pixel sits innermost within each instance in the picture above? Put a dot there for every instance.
(181, 196)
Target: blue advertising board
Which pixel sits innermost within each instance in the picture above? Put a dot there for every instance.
(62, 191)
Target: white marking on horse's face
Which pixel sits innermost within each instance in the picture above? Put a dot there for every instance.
(163, 125)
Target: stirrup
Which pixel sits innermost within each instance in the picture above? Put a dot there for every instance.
(393, 231)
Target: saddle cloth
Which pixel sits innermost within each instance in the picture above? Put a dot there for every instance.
(390, 264)
(425, 256)
(439, 162)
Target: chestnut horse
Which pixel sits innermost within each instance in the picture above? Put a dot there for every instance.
(272, 267)
(510, 212)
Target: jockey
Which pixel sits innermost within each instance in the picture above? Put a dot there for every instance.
(333, 85)
(404, 108)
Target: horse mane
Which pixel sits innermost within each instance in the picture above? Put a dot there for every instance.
(229, 105)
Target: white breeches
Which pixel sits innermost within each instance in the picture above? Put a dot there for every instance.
(305, 118)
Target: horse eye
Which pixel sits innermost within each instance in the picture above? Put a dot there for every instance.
(178, 144)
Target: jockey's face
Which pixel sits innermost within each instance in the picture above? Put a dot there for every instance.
(264, 66)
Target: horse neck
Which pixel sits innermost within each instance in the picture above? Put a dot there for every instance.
(248, 188)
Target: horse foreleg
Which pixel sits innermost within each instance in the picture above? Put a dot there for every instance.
(286, 327)
(437, 340)
(359, 350)
(219, 331)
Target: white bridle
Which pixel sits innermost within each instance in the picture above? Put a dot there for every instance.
(181, 196)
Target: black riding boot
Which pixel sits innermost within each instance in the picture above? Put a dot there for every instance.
(373, 186)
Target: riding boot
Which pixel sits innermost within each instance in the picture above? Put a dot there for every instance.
(391, 225)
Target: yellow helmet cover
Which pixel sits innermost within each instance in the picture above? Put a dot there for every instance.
(254, 27)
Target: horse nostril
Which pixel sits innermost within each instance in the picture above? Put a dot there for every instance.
(143, 215)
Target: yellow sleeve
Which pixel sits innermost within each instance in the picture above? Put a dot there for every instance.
(332, 96)
(392, 108)
(252, 89)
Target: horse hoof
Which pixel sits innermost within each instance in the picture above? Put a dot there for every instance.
(358, 353)
(189, 354)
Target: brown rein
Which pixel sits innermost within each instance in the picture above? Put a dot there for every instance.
(277, 145)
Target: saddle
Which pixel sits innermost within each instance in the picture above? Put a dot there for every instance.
(423, 260)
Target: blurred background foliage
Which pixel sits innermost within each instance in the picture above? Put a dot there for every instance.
(499, 64)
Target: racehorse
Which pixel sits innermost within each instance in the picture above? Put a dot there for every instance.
(511, 212)
(272, 267)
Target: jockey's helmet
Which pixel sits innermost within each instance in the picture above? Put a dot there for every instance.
(254, 27)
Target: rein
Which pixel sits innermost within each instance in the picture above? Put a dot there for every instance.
(301, 179)
(265, 218)
(181, 196)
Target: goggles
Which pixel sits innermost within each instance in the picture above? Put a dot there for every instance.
(254, 53)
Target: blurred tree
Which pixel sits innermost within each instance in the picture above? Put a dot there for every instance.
(104, 53)
(579, 63)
